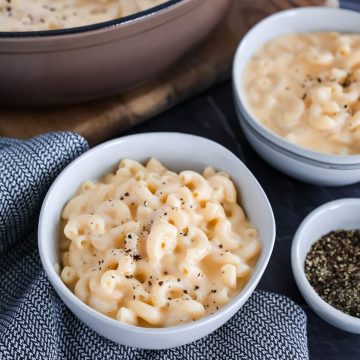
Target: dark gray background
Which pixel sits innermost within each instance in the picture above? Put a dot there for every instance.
(212, 115)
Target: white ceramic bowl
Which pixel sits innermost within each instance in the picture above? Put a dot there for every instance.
(296, 161)
(177, 152)
(339, 214)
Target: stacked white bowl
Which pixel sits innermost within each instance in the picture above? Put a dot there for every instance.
(296, 161)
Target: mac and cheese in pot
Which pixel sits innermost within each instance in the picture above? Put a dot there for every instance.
(35, 15)
(154, 248)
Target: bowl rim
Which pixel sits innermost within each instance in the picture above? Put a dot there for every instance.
(297, 264)
(300, 152)
(240, 298)
(292, 155)
(92, 27)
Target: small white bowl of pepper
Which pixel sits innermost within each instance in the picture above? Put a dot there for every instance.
(325, 259)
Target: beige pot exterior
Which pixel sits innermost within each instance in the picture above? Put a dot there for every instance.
(78, 67)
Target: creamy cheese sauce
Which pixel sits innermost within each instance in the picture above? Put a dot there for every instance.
(36, 15)
(154, 248)
(306, 88)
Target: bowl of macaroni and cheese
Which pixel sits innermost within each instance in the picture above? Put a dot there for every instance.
(155, 240)
(296, 83)
(72, 51)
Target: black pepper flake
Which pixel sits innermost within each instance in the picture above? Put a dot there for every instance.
(220, 246)
(332, 267)
(196, 287)
(185, 291)
(178, 280)
(126, 194)
(161, 283)
(213, 291)
(137, 257)
(129, 236)
(348, 81)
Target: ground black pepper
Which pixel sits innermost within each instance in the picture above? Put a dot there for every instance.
(332, 267)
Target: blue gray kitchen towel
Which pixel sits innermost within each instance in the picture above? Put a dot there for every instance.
(35, 324)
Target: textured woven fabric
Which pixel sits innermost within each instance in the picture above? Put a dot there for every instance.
(35, 324)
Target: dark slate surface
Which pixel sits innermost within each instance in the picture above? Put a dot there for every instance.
(212, 115)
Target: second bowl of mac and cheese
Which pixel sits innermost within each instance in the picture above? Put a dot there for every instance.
(296, 85)
(151, 245)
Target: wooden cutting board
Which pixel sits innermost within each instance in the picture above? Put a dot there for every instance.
(205, 66)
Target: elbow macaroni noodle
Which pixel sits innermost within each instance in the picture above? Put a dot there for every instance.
(35, 15)
(154, 248)
(306, 88)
